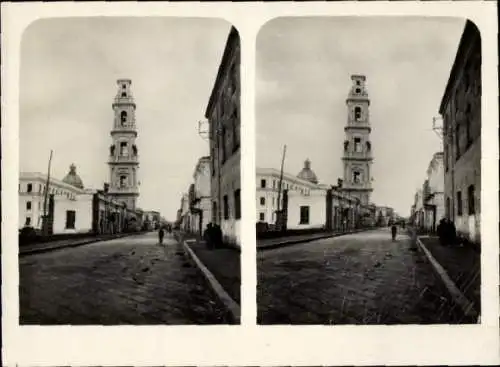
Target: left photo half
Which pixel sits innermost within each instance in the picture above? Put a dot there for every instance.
(129, 172)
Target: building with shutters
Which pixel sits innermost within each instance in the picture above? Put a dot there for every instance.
(461, 111)
(223, 114)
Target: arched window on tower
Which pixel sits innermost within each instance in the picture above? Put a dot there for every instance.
(123, 118)
(357, 113)
(124, 94)
(356, 176)
(123, 149)
(123, 181)
(357, 145)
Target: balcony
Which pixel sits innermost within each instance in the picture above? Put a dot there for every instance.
(367, 156)
(123, 191)
(133, 159)
(358, 125)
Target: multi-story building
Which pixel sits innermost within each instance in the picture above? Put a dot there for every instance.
(200, 196)
(304, 185)
(461, 111)
(123, 154)
(32, 190)
(385, 215)
(223, 114)
(418, 209)
(357, 158)
(433, 192)
(69, 207)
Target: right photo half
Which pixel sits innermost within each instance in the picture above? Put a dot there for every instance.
(368, 171)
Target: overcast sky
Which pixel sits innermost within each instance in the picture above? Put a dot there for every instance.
(303, 77)
(69, 69)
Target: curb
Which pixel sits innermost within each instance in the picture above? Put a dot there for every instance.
(295, 242)
(458, 297)
(220, 292)
(70, 245)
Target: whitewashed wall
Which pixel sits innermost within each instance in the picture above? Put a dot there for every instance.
(317, 209)
(83, 213)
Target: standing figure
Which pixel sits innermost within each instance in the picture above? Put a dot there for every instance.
(441, 232)
(160, 235)
(394, 231)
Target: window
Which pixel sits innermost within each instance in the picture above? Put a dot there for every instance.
(358, 90)
(468, 125)
(357, 145)
(274, 201)
(358, 82)
(214, 212)
(471, 200)
(70, 219)
(274, 184)
(124, 86)
(237, 204)
(28, 205)
(236, 130)
(262, 217)
(457, 141)
(356, 176)
(357, 113)
(223, 143)
(448, 208)
(124, 94)
(123, 118)
(123, 149)
(226, 207)
(212, 161)
(123, 181)
(28, 221)
(459, 203)
(262, 201)
(30, 188)
(262, 184)
(304, 215)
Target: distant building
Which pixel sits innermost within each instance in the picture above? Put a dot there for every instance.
(223, 114)
(306, 204)
(385, 215)
(461, 111)
(303, 194)
(123, 154)
(70, 208)
(433, 193)
(357, 158)
(32, 188)
(200, 198)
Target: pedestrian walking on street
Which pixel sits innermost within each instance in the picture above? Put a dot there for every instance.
(394, 230)
(441, 232)
(160, 235)
(452, 233)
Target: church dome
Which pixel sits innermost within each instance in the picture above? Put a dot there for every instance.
(307, 173)
(72, 178)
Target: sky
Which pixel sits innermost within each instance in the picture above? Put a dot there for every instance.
(303, 73)
(69, 68)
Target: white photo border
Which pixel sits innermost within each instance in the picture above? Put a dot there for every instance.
(249, 344)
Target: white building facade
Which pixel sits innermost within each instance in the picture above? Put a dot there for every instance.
(200, 196)
(32, 188)
(433, 192)
(267, 192)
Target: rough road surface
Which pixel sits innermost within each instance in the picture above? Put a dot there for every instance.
(363, 278)
(132, 280)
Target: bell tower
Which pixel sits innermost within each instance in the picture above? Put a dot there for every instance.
(357, 157)
(123, 155)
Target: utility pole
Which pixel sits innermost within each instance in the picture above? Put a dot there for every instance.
(280, 183)
(45, 217)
